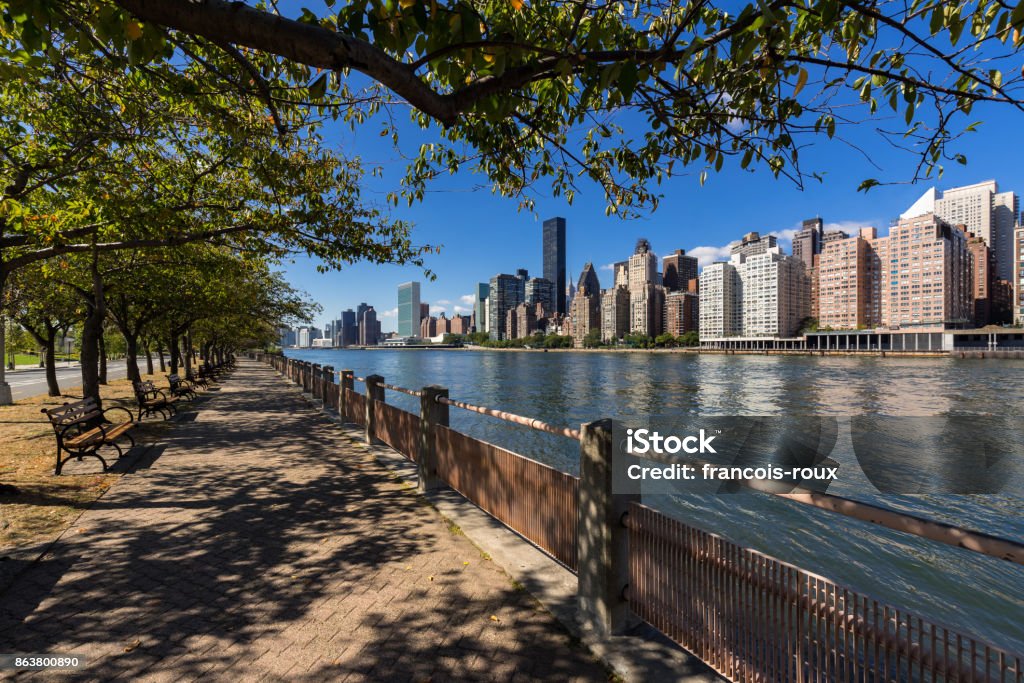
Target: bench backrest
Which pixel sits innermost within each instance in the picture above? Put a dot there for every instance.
(72, 413)
(143, 388)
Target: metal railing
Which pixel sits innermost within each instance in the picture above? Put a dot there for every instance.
(749, 616)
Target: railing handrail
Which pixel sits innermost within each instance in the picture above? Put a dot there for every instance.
(530, 422)
(401, 390)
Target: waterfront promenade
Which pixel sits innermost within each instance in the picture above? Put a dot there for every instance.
(258, 542)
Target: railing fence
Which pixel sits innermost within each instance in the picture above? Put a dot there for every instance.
(747, 615)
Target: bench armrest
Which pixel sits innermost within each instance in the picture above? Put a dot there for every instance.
(125, 410)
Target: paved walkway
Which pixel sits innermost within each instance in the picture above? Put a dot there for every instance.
(261, 543)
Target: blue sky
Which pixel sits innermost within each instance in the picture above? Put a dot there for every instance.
(482, 234)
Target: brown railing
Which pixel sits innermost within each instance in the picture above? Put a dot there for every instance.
(754, 618)
(399, 429)
(535, 500)
(749, 616)
(355, 408)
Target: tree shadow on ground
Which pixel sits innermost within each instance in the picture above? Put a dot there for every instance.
(261, 543)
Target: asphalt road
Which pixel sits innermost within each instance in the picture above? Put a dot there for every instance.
(32, 382)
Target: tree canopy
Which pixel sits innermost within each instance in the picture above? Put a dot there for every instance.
(625, 94)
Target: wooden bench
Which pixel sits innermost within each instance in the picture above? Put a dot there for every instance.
(153, 401)
(181, 388)
(82, 429)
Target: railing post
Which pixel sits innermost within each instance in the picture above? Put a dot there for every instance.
(348, 383)
(314, 381)
(374, 392)
(432, 414)
(601, 536)
(326, 380)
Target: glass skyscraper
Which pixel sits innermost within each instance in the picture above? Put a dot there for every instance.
(554, 259)
(409, 309)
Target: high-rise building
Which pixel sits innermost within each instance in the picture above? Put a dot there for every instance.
(925, 279)
(540, 290)
(646, 297)
(982, 277)
(368, 328)
(504, 294)
(424, 310)
(288, 337)
(682, 312)
(526, 319)
(1018, 275)
(775, 293)
(303, 338)
(480, 306)
(647, 310)
(554, 259)
(677, 270)
(765, 294)
(614, 313)
(642, 269)
(844, 282)
(987, 212)
(512, 323)
(409, 305)
(621, 270)
(585, 311)
(753, 244)
(349, 334)
(721, 301)
(807, 241)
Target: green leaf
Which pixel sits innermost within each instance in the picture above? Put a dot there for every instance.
(318, 88)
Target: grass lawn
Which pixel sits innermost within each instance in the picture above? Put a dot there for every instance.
(32, 359)
(46, 504)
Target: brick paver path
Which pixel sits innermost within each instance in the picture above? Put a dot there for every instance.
(262, 543)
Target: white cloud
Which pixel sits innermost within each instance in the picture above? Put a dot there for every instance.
(468, 299)
(444, 302)
(437, 309)
(784, 235)
(608, 266)
(393, 313)
(462, 310)
(708, 255)
(850, 227)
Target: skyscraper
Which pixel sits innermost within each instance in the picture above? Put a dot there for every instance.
(540, 290)
(480, 306)
(1018, 275)
(504, 294)
(677, 270)
(807, 241)
(614, 313)
(586, 305)
(368, 327)
(642, 267)
(409, 309)
(349, 332)
(554, 259)
(844, 289)
(987, 212)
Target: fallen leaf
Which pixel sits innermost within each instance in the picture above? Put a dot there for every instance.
(494, 618)
(132, 645)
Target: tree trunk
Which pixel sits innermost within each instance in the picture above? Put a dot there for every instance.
(149, 359)
(92, 332)
(160, 350)
(172, 349)
(188, 354)
(51, 361)
(103, 356)
(131, 343)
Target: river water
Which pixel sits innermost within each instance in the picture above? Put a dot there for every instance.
(970, 592)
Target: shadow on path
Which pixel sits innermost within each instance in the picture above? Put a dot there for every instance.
(257, 541)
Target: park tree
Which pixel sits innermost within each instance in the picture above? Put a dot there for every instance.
(46, 310)
(95, 159)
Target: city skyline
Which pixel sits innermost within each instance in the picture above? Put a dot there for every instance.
(527, 254)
